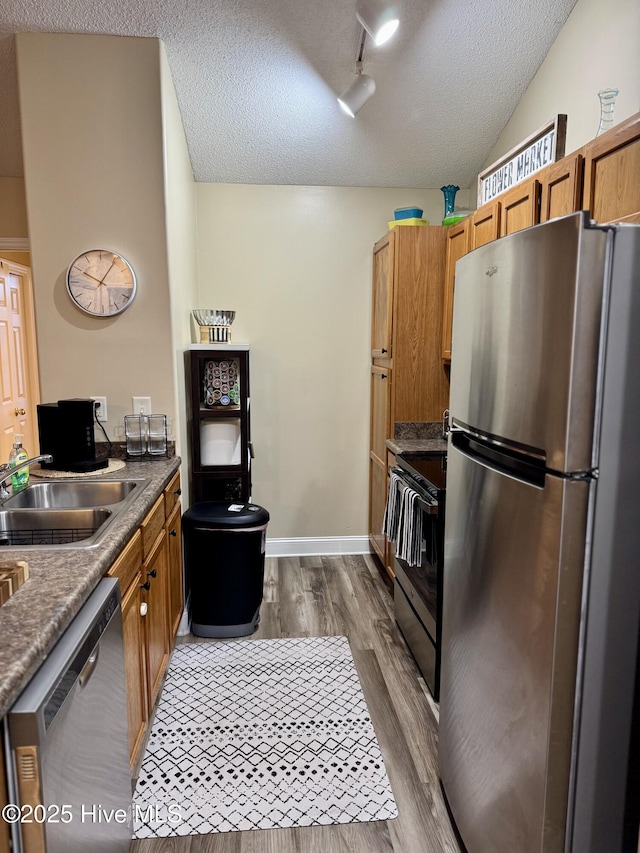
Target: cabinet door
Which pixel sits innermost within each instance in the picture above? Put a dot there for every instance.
(377, 502)
(390, 547)
(520, 207)
(380, 411)
(155, 592)
(174, 554)
(457, 246)
(485, 224)
(611, 174)
(382, 305)
(561, 187)
(134, 666)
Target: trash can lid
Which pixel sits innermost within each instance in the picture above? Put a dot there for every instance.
(225, 515)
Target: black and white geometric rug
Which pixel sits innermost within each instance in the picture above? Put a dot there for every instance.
(257, 734)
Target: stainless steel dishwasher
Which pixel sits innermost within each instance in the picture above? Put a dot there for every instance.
(67, 737)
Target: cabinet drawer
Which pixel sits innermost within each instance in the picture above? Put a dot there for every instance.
(128, 563)
(151, 526)
(171, 495)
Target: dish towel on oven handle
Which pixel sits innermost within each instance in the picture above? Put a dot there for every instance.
(409, 544)
(402, 522)
(392, 509)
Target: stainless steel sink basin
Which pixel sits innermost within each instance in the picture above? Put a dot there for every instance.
(64, 513)
(28, 527)
(69, 494)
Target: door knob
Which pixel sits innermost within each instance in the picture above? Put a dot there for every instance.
(20, 411)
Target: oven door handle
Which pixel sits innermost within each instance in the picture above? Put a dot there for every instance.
(430, 505)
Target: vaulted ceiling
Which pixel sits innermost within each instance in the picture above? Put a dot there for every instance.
(257, 81)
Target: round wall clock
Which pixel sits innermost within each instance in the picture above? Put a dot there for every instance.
(101, 283)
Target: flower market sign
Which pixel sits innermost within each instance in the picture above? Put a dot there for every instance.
(540, 149)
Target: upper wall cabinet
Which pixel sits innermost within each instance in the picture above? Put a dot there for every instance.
(612, 174)
(520, 207)
(383, 258)
(561, 187)
(603, 178)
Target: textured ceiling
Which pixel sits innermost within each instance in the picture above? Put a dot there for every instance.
(257, 82)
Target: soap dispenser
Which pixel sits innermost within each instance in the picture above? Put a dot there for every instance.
(18, 454)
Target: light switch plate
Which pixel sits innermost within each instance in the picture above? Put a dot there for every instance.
(141, 405)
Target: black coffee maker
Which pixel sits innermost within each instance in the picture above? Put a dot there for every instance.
(65, 429)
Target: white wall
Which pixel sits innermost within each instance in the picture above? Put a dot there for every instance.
(598, 48)
(93, 153)
(181, 250)
(295, 263)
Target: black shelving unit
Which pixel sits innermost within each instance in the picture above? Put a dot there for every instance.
(217, 384)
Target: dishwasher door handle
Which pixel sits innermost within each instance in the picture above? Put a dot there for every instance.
(89, 668)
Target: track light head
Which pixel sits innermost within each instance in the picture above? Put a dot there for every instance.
(357, 95)
(379, 19)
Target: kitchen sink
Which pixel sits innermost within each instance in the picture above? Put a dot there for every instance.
(20, 527)
(64, 514)
(70, 494)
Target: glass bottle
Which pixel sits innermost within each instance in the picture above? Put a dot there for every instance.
(607, 104)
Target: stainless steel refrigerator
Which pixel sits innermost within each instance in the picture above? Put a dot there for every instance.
(542, 543)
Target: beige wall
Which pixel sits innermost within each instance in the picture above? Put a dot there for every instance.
(13, 208)
(181, 249)
(92, 135)
(295, 263)
(596, 49)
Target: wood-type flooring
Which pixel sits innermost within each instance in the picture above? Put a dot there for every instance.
(323, 596)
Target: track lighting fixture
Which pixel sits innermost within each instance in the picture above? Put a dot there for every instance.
(358, 93)
(379, 19)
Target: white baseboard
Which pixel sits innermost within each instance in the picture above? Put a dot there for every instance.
(320, 546)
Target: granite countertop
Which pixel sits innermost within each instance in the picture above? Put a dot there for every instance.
(416, 445)
(60, 581)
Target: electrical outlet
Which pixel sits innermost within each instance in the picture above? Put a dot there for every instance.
(141, 405)
(101, 408)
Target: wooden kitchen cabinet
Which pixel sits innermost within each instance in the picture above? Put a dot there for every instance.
(561, 184)
(135, 666)
(408, 380)
(175, 582)
(382, 299)
(458, 244)
(149, 569)
(612, 174)
(485, 224)
(155, 591)
(520, 207)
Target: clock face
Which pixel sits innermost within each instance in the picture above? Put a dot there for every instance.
(101, 283)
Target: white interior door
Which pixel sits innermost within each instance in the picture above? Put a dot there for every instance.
(18, 365)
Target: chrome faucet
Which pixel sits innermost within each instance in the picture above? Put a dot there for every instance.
(6, 471)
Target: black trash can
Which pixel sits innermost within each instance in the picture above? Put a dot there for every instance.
(224, 548)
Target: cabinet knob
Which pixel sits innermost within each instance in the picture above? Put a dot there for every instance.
(153, 573)
(383, 350)
(177, 492)
(145, 585)
(173, 533)
(383, 376)
(143, 608)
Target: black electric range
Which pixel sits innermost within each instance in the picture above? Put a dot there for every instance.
(418, 588)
